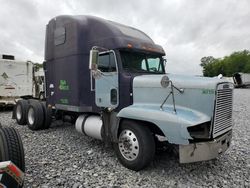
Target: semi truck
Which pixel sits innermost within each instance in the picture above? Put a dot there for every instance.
(110, 79)
(19, 79)
(241, 80)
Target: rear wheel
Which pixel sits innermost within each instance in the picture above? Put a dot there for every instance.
(11, 147)
(47, 116)
(21, 112)
(136, 146)
(35, 115)
(32, 100)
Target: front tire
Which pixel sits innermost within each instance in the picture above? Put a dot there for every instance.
(136, 147)
(11, 147)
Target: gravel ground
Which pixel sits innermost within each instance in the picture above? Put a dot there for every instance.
(61, 157)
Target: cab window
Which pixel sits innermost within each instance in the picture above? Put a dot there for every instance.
(154, 65)
(142, 63)
(107, 62)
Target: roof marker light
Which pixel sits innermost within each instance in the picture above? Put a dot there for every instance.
(129, 46)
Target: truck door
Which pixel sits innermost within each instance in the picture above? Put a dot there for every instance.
(106, 84)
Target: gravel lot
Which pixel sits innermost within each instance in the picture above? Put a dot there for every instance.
(61, 157)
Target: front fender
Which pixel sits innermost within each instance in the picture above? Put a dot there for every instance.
(173, 125)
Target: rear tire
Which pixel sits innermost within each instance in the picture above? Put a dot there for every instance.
(35, 115)
(136, 147)
(11, 147)
(32, 100)
(20, 112)
(47, 116)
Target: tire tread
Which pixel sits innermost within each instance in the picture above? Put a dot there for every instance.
(14, 147)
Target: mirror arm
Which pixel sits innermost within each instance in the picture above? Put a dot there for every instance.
(171, 93)
(178, 89)
(161, 107)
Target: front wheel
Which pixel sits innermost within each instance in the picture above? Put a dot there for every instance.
(11, 147)
(136, 146)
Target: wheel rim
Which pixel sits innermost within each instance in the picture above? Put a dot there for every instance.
(31, 117)
(18, 112)
(128, 145)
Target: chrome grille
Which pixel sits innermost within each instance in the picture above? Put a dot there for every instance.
(223, 109)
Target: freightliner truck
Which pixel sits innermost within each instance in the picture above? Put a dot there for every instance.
(111, 80)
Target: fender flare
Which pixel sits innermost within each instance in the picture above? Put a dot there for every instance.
(173, 125)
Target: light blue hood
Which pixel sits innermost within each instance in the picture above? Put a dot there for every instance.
(181, 81)
(199, 92)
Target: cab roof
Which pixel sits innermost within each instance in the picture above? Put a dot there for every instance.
(67, 35)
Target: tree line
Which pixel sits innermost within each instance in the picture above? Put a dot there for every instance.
(228, 65)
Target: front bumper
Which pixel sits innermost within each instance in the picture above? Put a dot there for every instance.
(203, 151)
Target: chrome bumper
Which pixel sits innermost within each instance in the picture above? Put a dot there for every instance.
(203, 151)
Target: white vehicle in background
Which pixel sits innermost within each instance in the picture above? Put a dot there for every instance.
(241, 79)
(19, 79)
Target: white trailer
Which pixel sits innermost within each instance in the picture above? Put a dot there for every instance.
(19, 79)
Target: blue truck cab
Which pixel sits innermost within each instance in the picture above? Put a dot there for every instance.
(111, 79)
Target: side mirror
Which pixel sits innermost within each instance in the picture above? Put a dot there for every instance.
(93, 59)
(164, 62)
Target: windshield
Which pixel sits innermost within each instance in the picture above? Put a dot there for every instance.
(141, 63)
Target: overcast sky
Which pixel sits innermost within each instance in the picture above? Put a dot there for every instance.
(187, 29)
